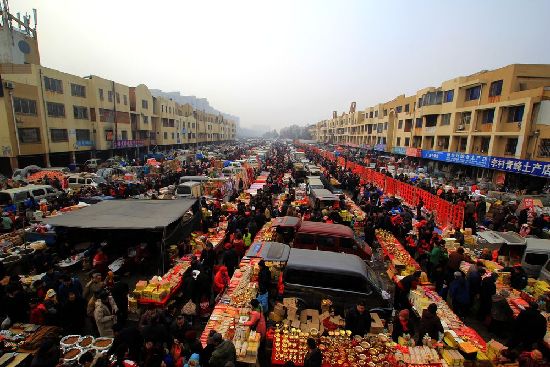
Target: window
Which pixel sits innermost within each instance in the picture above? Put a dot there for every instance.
(29, 135)
(379, 127)
(109, 135)
(485, 141)
(406, 108)
(398, 142)
(83, 134)
(56, 109)
(117, 97)
(125, 98)
(110, 95)
(371, 113)
(419, 103)
(473, 93)
(398, 109)
(385, 112)
(165, 135)
(443, 142)
(463, 143)
(487, 116)
(101, 98)
(170, 109)
(400, 124)
(495, 89)
(511, 145)
(80, 112)
(385, 126)
(448, 96)
(515, 113)
(407, 141)
(124, 135)
(375, 113)
(418, 122)
(59, 135)
(145, 104)
(172, 135)
(446, 119)
(24, 106)
(106, 115)
(78, 90)
(544, 148)
(145, 119)
(431, 98)
(53, 85)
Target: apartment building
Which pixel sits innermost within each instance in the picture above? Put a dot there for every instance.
(497, 119)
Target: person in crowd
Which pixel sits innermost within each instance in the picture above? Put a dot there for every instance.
(264, 277)
(105, 314)
(460, 294)
(208, 258)
(129, 336)
(358, 319)
(473, 277)
(152, 355)
(247, 237)
(314, 356)
(119, 292)
(207, 351)
(221, 280)
(67, 286)
(224, 351)
(402, 325)
(100, 261)
(257, 319)
(230, 259)
(238, 244)
(48, 354)
(430, 324)
(529, 328)
(455, 258)
(486, 292)
(437, 257)
(404, 288)
(52, 306)
(518, 278)
(73, 313)
(94, 285)
(38, 312)
(179, 329)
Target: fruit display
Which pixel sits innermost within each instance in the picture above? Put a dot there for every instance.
(401, 261)
(159, 289)
(354, 209)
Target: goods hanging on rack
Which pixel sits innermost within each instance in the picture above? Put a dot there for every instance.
(159, 290)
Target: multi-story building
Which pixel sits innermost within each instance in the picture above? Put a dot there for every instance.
(498, 119)
(51, 118)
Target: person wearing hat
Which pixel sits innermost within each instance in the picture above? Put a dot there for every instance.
(52, 306)
(402, 325)
(105, 314)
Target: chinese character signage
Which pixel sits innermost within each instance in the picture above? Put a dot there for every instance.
(461, 158)
(127, 143)
(522, 166)
(399, 150)
(84, 143)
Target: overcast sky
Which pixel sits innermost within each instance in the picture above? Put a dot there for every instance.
(275, 63)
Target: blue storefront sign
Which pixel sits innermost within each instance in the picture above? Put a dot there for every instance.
(84, 143)
(461, 158)
(399, 150)
(380, 147)
(522, 166)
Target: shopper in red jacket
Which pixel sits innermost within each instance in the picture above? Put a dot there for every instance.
(221, 280)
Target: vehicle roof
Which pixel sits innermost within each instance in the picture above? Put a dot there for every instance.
(325, 262)
(287, 221)
(327, 229)
(269, 251)
(190, 183)
(26, 188)
(191, 178)
(324, 193)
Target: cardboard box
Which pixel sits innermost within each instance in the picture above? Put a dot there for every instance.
(376, 325)
(275, 316)
(295, 324)
(279, 309)
(309, 314)
(289, 302)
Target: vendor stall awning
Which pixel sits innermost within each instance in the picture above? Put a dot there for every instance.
(125, 214)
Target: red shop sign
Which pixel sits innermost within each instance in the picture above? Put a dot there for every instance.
(414, 152)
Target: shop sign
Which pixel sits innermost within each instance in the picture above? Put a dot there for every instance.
(522, 166)
(84, 143)
(127, 144)
(399, 150)
(461, 158)
(414, 152)
(380, 147)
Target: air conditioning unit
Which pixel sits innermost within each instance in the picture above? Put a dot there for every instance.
(460, 127)
(8, 85)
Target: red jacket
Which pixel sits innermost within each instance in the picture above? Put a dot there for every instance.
(38, 315)
(221, 280)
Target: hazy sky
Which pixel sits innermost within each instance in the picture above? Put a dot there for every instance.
(275, 63)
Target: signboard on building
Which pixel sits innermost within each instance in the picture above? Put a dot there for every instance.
(522, 166)
(414, 152)
(399, 150)
(380, 147)
(84, 143)
(127, 144)
(455, 157)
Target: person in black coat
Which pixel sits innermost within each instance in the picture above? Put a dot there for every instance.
(73, 314)
(230, 259)
(314, 357)
(264, 277)
(129, 336)
(486, 292)
(402, 325)
(529, 328)
(358, 319)
(429, 324)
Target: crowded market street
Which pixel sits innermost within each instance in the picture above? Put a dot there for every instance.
(266, 253)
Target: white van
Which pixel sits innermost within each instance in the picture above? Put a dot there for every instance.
(19, 195)
(536, 255)
(189, 190)
(76, 182)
